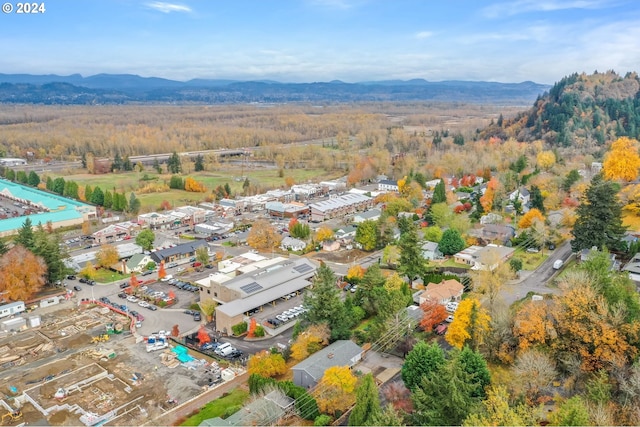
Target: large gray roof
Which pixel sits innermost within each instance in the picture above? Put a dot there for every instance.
(184, 248)
(339, 202)
(339, 353)
(268, 284)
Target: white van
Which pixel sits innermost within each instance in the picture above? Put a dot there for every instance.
(557, 265)
(224, 349)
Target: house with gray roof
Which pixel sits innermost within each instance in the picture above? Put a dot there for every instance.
(341, 353)
(338, 207)
(633, 268)
(430, 251)
(178, 252)
(370, 215)
(292, 244)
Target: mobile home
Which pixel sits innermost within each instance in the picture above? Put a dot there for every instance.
(10, 309)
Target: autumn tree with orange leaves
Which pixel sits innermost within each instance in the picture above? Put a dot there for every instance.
(533, 324)
(528, 219)
(22, 274)
(486, 200)
(434, 313)
(133, 282)
(622, 161)
(162, 272)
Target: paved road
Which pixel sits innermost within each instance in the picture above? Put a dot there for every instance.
(537, 281)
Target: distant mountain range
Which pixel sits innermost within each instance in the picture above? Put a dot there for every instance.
(129, 88)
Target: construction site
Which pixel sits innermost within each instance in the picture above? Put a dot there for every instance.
(83, 366)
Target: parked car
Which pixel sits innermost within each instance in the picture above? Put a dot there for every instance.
(152, 307)
(82, 280)
(124, 285)
(132, 298)
(143, 304)
(77, 288)
(189, 312)
(122, 295)
(197, 317)
(172, 264)
(71, 277)
(147, 272)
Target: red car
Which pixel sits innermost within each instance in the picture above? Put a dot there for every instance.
(196, 264)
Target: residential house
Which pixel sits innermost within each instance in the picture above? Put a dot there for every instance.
(388, 185)
(341, 353)
(585, 254)
(430, 251)
(178, 252)
(346, 234)
(521, 194)
(136, 263)
(115, 232)
(478, 256)
(633, 268)
(498, 233)
(443, 292)
(292, 244)
(370, 215)
(275, 404)
(490, 218)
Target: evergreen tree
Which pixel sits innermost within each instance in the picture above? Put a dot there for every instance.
(246, 185)
(25, 234)
(439, 193)
(444, 399)
(325, 305)
(88, 192)
(599, 218)
(58, 185)
(49, 184)
(21, 177)
(10, 174)
(33, 179)
(173, 164)
(475, 365)
(134, 204)
(47, 246)
(97, 197)
(127, 165)
(227, 189)
(199, 163)
(156, 165)
(83, 160)
(451, 242)
(572, 177)
(108, 199)
(176, 182)
(367, 406)
(422, 361)
(537, 201)
(458, 139)
(411, 261)
(117, 163)
(70, 189)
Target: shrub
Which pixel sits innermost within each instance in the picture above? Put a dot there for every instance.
(231, 410)
(195, 306)
(240, 328)
(259, 331)
(322, 420)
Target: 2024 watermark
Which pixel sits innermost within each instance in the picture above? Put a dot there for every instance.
(33, 8)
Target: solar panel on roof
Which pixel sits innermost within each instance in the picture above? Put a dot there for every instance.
(251, 288)
(303, 268)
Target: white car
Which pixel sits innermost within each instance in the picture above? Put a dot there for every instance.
(143, 304)
(132, 298)
(449, 319)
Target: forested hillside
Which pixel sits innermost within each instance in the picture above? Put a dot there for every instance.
(579, 110)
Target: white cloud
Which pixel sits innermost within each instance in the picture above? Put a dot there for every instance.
(423, 35)
(523, 6)
(168, 7)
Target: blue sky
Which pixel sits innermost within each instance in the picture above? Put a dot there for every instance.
(323, 40)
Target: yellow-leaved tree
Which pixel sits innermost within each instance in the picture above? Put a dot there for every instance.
(263, 235)
(355, 272)
(22, 274)
(324, 233)
(470, 324)
(546, 159)
(267, 364)
(622, 161)
(310, 341)
(527, 219)
(336, 391)
(107, 256)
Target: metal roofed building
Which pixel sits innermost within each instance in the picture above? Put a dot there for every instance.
(255, 289)
(61, 211)
(178, 252)
(341, 353)
(340, 206)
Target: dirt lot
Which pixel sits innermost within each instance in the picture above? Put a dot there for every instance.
(129, 389)
(339, 256)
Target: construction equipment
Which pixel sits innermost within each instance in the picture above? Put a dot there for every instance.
(100, 338)
(12, 416)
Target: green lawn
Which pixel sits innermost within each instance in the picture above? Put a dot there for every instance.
(451, 263)
(108, 276)
(129, 182)
(217, 407)
(530, 261)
